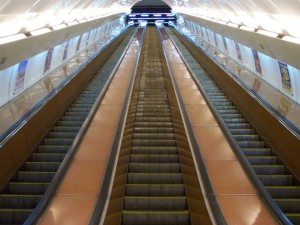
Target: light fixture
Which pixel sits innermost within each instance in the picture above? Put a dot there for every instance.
(291, 39)
(144, 15)
(72, 23)
(232, 25)
(12, 38)
(247, 28)
(132, 15)
(267, 33)
(40, 31)
(157, 15)
(58, 27)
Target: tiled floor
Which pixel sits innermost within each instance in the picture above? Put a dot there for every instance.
(235, 194)
(76, 196)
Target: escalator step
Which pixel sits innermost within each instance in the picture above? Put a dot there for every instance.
(46, 157)
(154, 168)
(269, 169)
(27, 188)
(284, 191)
(52, 149)
(262, 160)
(163, 136)
(25, 176)
(154, 178)
(251, 144)
(151, 158)
(155, 203)
(157, 218)
(14, 216)
(247, 137)
(42, 166)
(288, 205)
(58, 142)
(65, 129)
(153, 124)
(155, 190)
(19, 201)
(154, 150)
(242, 131)
(257, 151)
(62, 135)
(276, 180)
(160, 143)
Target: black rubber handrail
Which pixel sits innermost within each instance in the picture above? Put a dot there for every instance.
(209, 191)
(263, 193)
(103, 195)
(40, 209)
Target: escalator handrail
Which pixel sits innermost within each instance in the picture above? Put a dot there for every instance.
(211, 197)
(40, 209)
(103, 195)
(263, 193)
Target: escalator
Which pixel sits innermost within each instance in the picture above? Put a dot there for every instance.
(24, 191)
(283, 187)
(155, 180)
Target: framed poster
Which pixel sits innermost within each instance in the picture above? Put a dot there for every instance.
(48, 60)
(285, 78)
(256, 62)
(20, 78)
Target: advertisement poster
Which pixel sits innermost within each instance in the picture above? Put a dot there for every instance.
(66, 50)
(238, 51)
(20, 78)
(216, 41)
(225, 44)
(78, 43)
(256, 62)
(48, 60)
(285, 78)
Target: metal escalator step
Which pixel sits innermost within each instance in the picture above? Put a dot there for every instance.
(141, 142)
(62, 135)
(155, 190)
(151, 158)
(276, 180)
(251, 144)
(26, 176)
(284, 191)
(155, 203)
(253, 137)
(58, 141)
(25, 188)
(242, 131)
(19, 201)
(72, 118)
(153, 124)
(41, 166)
(239, 126)
(231, 115)
(152, 114)
(257, 151)
(155, 136)
(269, 169)
(288, 205)
(153, 119)
(234, 120)
(153, 130)
(65, 129)
(154, 178)
(293, 217)
(14, 216)
(46, 157)
(154, 150)
(52, 148)
(155, 217)
(262, 160)
(69, 123)
(154, 168)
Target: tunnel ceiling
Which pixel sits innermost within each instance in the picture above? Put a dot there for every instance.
(280, 16)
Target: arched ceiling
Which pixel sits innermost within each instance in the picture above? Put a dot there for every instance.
(279, 16)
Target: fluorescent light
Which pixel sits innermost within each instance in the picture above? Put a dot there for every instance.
(247, 28)
(157, 15)
(40, 31)
(132, 15)
(291, 39)
(170, 15)
(12, 38)
(144, 15)
(222, 22)
(58, 27)
(267, 33)
(72, 23)
(232, 25)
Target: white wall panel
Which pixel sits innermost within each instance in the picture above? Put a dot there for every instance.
(5, 77)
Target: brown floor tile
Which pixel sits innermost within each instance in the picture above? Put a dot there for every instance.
(244, 210)
(69, 210)
(113, 96)
(186, 84)
(200, 115)
(213, 144)
(228, 177)
(192, 97)
(96, 143)
(107, 115)
(83, 178)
